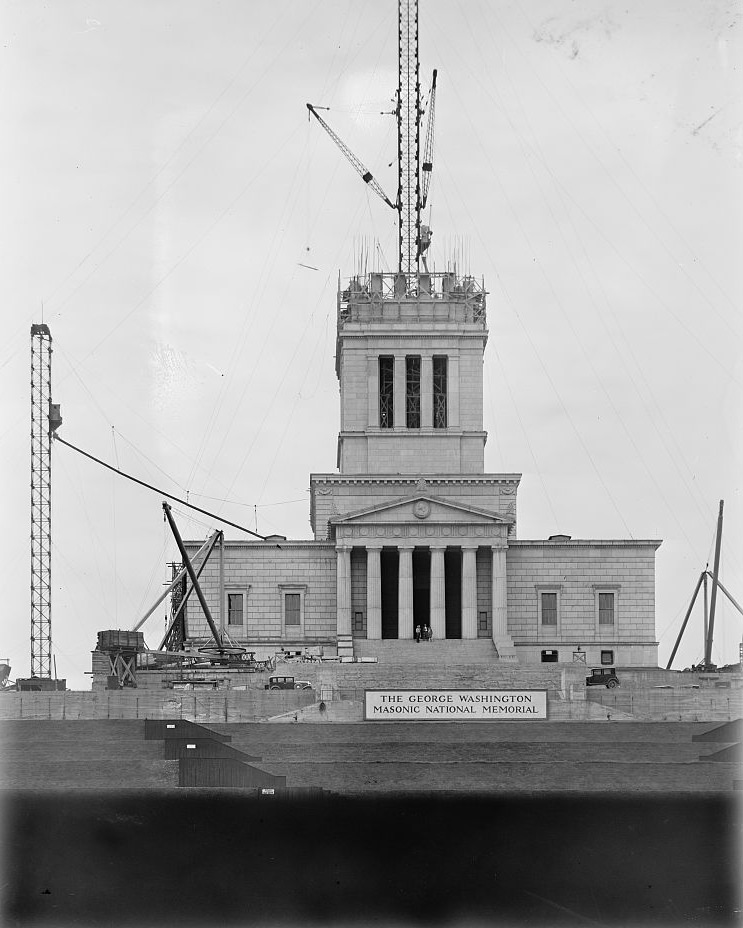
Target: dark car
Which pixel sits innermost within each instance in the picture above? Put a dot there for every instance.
(287, 683)
(604, 676)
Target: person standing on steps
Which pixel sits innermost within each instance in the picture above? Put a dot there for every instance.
(417, 633)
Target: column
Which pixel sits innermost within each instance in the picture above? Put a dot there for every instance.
(405, 594)
(500, 617)
(453, 391)
(399, 398)
(343, 589)
(469, 591)
(438, 594)
(373, 593)
(427, 393)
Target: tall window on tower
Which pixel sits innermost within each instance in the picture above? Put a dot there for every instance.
(413, 391)
(439, 392)
(386, 392)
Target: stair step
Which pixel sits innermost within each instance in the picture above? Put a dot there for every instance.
(404, 651)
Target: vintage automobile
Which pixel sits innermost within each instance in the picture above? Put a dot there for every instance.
(603, 676)
(287, 683)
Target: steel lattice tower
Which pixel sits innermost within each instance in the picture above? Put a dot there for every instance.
(408, 136)
(41, 501)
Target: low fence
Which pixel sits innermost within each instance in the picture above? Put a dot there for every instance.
(671, 705)
(259, 705)
(228, 706)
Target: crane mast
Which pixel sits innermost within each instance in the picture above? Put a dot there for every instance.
(408, 138)
(44, 420)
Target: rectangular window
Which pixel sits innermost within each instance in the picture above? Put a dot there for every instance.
(413, 392)
(606, 608)
(292, 608)
(607, 658)
(439, 392)
(235, 608)
(386, 392)
(549, 609)
(549, 657)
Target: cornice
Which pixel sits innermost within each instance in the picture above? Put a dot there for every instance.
(430, 480)
(563, 643)
(588, 543)
(383, 333)
(307, 543)
(376, 432)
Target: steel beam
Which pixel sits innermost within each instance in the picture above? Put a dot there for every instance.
(191, 573)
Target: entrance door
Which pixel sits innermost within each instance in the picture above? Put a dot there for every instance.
(421, 587)
(453, 599)
(389, 565)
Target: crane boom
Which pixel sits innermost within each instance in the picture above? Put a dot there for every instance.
(427, 165)
(360, 169)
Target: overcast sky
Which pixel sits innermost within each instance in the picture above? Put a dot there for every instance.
(163, 190)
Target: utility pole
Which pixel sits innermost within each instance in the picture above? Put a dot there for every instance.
(713, 596)
(45, 420)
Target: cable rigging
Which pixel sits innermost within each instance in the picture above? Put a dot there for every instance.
(149, 486)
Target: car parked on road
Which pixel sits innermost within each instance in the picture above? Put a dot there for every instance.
(603, 676)
(287, 683)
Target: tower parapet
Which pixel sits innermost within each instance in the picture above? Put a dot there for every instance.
(387, 297)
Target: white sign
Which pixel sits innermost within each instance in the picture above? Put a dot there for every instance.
(454, 705)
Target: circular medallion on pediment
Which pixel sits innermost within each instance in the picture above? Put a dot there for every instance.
(480, 531)
(363, 531)
(422, 509)
(430, 530)
(397, 530)
(463, 530)
(446, 529)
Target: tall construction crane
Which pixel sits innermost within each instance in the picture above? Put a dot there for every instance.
(45, 420)
(413, 237)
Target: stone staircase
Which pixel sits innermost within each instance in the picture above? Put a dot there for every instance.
(441, 653)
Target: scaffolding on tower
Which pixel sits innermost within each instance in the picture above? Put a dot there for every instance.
(45, 419)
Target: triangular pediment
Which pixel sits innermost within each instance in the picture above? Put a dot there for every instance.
(418, 510)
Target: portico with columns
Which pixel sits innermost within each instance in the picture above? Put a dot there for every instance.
(408, 587)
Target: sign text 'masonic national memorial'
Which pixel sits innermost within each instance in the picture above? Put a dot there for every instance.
(454, 705)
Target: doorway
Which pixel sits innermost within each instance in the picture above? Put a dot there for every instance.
(453, 596)
(421, 587)
(389, 565)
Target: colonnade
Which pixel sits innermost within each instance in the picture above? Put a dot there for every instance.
(437, 609)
